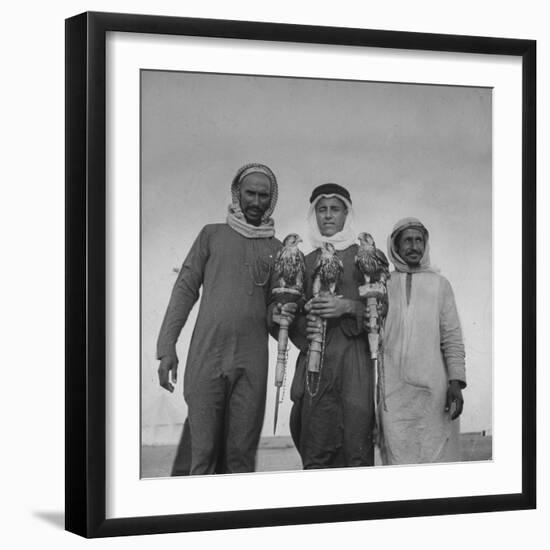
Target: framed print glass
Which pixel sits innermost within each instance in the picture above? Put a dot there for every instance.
(194, 147)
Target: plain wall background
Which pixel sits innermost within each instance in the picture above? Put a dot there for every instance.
(31, 218)
(401, 150)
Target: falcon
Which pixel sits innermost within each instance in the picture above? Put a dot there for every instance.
(374, 267)
(327, 270)
(371, 261)
(290, 264)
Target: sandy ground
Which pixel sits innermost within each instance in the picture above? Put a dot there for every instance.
(279, 454)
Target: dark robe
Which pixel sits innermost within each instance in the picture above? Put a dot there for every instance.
(335, 427)
(226, 371)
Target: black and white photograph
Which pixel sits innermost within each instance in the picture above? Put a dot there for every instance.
(275, 274)
(316, 274)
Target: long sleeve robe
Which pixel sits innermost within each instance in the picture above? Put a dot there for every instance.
(423, 350)
(335, 427)
(226, 370)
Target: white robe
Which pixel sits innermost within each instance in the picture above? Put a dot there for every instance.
(423, 350)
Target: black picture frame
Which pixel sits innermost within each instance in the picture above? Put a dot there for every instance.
(86, 273)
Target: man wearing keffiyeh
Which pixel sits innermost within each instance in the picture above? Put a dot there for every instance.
(226, 370)
(423, 356)
(332, 425)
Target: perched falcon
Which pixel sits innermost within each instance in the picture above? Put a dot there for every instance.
(371, 261)
(290, 264)
(327, 270)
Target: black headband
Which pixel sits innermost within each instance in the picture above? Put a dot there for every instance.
(330, 189)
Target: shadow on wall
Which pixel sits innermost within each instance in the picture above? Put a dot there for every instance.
(56, 519)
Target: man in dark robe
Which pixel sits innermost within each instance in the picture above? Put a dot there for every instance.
(226, 371)
(332, 418)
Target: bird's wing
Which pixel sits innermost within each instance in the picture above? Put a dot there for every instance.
(293, 267)
(318, 263)
(362, 259)
(381, 257)
(331, 270)
(279, 264)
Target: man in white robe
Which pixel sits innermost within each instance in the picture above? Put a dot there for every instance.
(424, 367)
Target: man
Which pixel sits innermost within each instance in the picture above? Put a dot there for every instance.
(423, 356)
(226, 371)
(332, 418)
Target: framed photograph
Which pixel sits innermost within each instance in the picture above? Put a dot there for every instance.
(193, 148)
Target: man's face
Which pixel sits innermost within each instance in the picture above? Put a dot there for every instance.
(331, 215)
(255, 197)
(411, 246)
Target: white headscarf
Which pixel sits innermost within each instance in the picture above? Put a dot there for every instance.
(341, 240)
(400, 264)
(235, 216)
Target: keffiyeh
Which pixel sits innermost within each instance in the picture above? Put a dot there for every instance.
(341, 240)
(396, 260)
(235, 216)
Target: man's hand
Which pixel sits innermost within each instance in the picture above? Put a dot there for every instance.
(454, 395)
(314, 326)
(168, 364)
(287, 311)
(330, 307)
